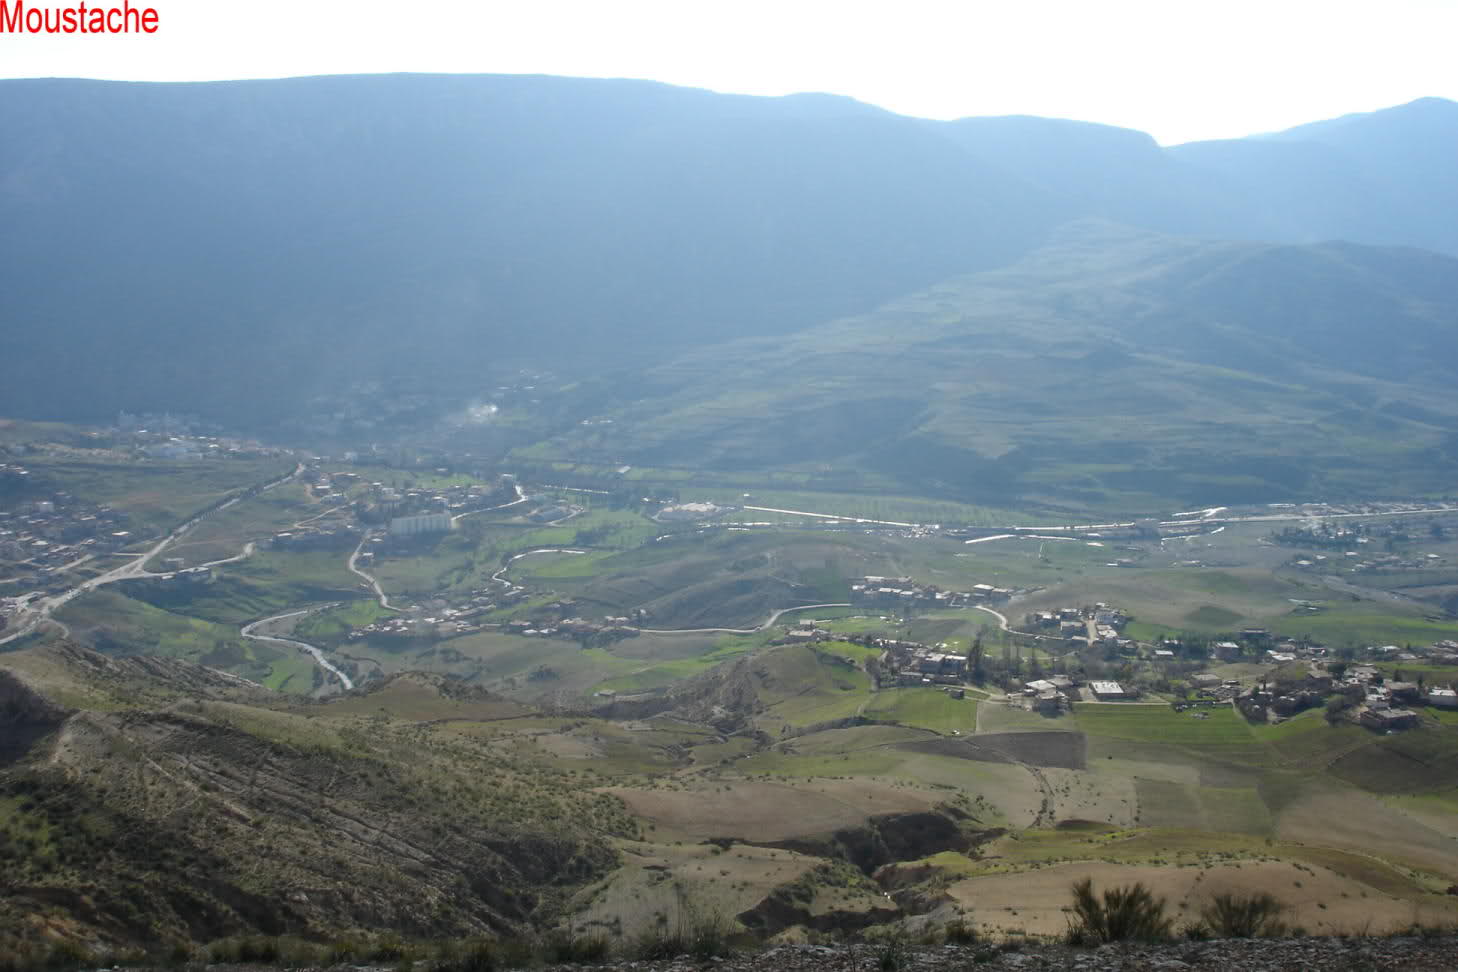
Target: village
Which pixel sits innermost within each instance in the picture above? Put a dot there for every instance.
(44, 536)
(1294, 676)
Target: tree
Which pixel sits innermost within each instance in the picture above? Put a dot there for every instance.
(975, 661)
(1337, 707)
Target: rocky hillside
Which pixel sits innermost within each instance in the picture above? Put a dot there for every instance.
(151, 801)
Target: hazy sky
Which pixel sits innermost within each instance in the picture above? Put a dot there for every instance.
(1178, 69)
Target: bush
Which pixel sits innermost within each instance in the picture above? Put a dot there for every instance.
(566, 948)
(477, 955)
(259, 950)
(1120, 914)
(702, 936)
(960, 932)
(893, 953)
(390, 948)
(1245, 915)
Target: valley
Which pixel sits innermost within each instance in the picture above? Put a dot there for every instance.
(569, 515)
(812, 723)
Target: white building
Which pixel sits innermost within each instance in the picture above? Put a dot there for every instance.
(410, 526)
(1444, 698)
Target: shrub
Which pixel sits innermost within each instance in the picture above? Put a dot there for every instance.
(477, 955)
(258, 950)
(960, 932)
(893, 953)
(567, 948)
(390, 948)
(1119, 914)
(1245, 915)
(702, 935)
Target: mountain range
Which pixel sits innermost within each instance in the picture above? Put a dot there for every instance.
(233, 249)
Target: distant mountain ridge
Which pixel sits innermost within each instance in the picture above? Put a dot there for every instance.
(232, 248)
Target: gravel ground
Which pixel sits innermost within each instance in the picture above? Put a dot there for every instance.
(1228, 955)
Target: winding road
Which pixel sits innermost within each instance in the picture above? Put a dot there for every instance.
(354, 568)
(520, 498)
(38, 610)
(769, 621)
(248, 632)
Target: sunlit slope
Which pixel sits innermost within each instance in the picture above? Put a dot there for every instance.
(1112, 369)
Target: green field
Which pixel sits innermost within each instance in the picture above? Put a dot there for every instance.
(923, 708)
(223, 533)
(1217, 733)
(114, 623)
(667, 673)
(1410, 762)
(157, 495)
(1344, 623)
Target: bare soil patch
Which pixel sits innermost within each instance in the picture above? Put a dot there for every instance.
(1319, 900)
(1361, 823)
(765, 812)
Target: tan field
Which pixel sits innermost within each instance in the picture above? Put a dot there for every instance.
(661, 884)
(1077, 795)
(771, 811)
(1318, 900)
(1362, 823)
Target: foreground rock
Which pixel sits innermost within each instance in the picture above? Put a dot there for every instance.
(1408, 954)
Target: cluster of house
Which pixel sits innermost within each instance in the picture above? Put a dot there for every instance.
(1097, 624)
(918, 664)
(1050, 695)
(381, 503)
(1384, 704)
(47, 534)
(437, 619)
(1380, 704)
(1055, 693)
(330, 487)
(1210, 688)
(891, 593)
(1267, 701)
(905, 662)
(170, 436)
(575, 628)
(1356, 560)
(1443, 653)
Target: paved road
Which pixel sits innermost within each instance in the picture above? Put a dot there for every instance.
(354, 568)
(520, 498)
(769, 621)
(831, 516)
(248, 632)
(1002, 623)
(39, 609)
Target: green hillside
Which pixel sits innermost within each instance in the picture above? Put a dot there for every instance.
(1112, 370)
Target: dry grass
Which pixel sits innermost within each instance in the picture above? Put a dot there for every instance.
(1320, 900)
(770, 811)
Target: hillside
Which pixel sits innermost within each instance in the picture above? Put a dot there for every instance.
(152, 801)
(239, 249)
(1113, 368)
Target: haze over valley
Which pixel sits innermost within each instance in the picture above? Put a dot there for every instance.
(492, 519)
